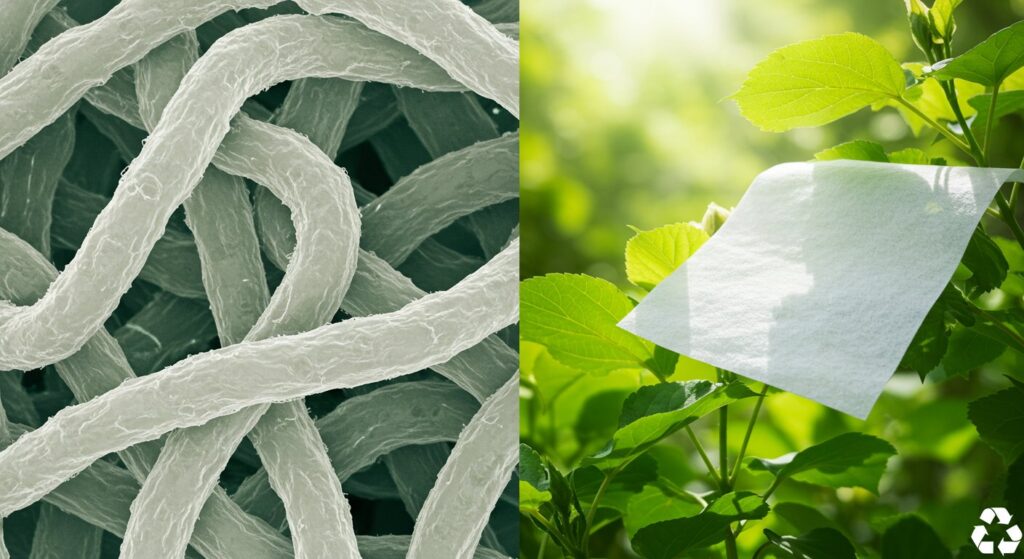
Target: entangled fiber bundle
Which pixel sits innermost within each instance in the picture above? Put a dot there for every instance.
(258, 279)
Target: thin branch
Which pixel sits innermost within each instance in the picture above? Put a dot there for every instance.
(1006, 214)
(954, 103)
(991, 119)
(703, 455)
(941, 129)
(746, 437)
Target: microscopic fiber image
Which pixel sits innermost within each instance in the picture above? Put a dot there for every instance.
(259, 279)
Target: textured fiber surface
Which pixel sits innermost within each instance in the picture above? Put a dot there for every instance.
(257, 264)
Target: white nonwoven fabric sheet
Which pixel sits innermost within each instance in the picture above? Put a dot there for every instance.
(819, 279)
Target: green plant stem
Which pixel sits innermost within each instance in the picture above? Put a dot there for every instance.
(1014, 197)
(941, 129)
(949, 88)
(543, 545)
(723, 464)
(723, 448)
(1007, 216)
(991, 119)
(541, 520)
(762, 550)
(730, 545)
(1006, 212)
(592, 512)
(552, 531)
(746, 436)
(771, 489)
(999, 324)
(703, 455)
(1015, 192)
(667, 485)
(598, 496)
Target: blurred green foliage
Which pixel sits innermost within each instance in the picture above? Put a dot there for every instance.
(626, 119)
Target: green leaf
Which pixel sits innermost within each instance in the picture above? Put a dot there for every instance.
(530, 498)
(1013, 495)
(575, 317)
(986, 263)
(626, 483)
(1008, 102)
(988, 328)
(664, 362)
(956, 305)
(673, 538)
(941, 16)
(653, 255)
(969, 350)
(551, 376)
(857, 150)
(929, 98)
(910, 156)
(929, 344)
(563, 497)
(849, 460)
(912, 538)
(663, 398)
(533, 480)
(656, 504)
(920, 25)
(820, 543)
(818, 81)
(1014, 284)
(990, 61)
(801, 517)
(864, 150)
(596, 420)
(532, 469)
(999, 419)
(1013, 82)
(655, 412)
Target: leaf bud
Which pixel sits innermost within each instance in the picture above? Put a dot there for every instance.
(714, 218)
(920, 24)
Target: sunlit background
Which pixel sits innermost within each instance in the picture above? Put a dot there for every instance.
(627, 121)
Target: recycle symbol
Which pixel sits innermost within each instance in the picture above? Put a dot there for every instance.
(1006, 545)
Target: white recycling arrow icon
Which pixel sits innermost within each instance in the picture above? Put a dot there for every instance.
(1007, 545)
